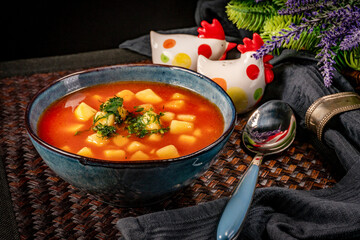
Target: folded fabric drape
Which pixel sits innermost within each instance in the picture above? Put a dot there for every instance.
(277, 213)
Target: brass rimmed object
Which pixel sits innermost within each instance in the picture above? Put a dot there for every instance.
(325, 108)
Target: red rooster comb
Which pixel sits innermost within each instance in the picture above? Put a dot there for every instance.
(251, 45)
(214, 30)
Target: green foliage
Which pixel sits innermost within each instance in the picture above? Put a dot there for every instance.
(249, 15)
(112, 106)
(348, 59)
(279, 3)
(137, 124)
(104, 131)
(263, 17)
(274, 25)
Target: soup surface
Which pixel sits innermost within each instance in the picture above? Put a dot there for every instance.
(131, 121)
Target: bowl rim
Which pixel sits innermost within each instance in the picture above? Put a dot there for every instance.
(126, 163)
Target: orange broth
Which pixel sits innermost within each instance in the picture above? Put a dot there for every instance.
(60, 127)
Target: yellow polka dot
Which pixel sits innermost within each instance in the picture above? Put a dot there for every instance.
(239, 98)
(182, 60)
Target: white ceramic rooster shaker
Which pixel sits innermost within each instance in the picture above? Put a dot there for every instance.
(183, 49)
(245, 78)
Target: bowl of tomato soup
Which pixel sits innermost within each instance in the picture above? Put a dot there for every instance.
(132, 135)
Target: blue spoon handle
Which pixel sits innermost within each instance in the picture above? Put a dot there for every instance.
(237, 207)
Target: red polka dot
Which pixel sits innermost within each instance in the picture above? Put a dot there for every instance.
(204, 50)
(252, 71)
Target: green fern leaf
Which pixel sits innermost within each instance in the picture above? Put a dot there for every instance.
(280, 3)
(250, 15)
(274, 26)
(348, 59)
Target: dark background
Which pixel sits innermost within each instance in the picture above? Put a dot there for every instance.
(32, 29)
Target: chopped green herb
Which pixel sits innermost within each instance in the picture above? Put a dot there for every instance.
(110, 108)
(105, 131)
(100, 116)
(137, 124)
(80, 132)
(114, 106)
(138, 109)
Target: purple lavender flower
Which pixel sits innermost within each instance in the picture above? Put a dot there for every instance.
(352, 40)
(338, 24)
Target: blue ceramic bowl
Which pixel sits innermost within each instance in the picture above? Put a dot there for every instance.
(139, 183)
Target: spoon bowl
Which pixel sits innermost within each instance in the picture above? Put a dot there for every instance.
(269, 130)
(269, 126)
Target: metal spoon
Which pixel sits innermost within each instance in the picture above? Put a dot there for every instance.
(269, 130)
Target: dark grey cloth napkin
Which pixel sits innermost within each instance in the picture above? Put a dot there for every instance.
(279, 213)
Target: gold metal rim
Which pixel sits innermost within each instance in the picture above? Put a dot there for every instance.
(325, 108)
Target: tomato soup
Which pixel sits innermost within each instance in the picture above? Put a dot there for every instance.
(131, 121)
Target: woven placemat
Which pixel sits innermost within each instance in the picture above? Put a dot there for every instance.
(46, 207)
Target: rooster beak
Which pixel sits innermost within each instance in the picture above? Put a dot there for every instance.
(229, 46)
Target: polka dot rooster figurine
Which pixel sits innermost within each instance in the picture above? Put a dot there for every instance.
(245, 78)
(184, 49)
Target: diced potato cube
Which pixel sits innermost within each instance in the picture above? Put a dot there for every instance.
(73, 128)
(115, 154)
(110, 120)
(136, 146)
(122, 112)
(209, 130)
(186, 117)
(178, 96)
(97, 140)
(197, 132)
(187, 139)
(202, 108)
(155, 137)
(179, 127)
(139, 155)
(150, 120)
(146, 106)
(149, 117)
(168, 116)
(98, 98)
(120, 140)
(66, 148)
(105, 120)
(175, 105)
(168, 151)
(127, 95)
(152, 126)
(85, 151)
(148, 96)
(84, 112)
